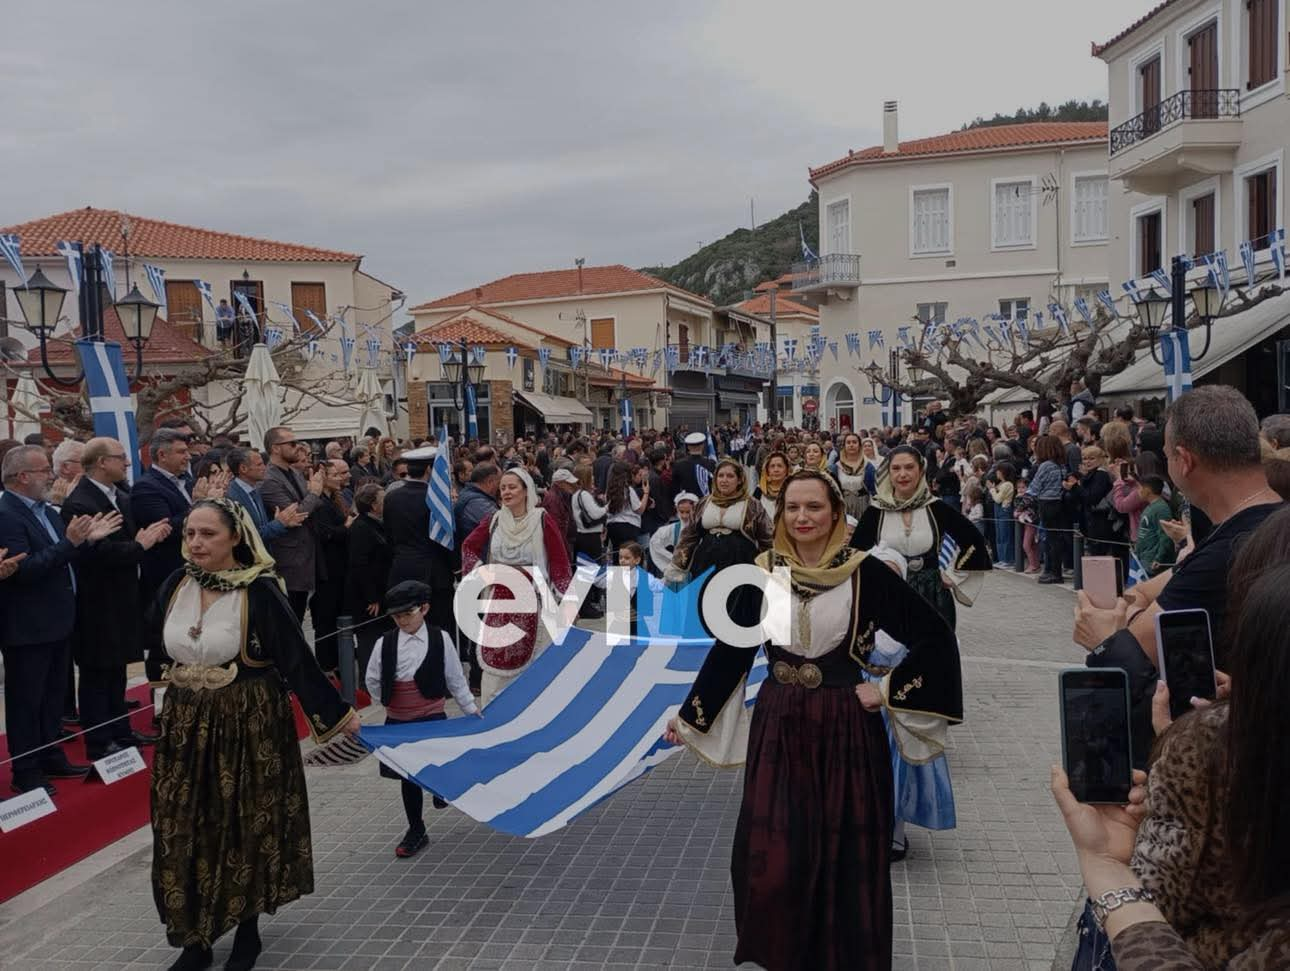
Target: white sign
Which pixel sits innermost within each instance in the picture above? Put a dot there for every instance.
(21, 810)
(118, 765)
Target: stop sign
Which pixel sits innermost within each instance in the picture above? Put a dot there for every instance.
(810, 406)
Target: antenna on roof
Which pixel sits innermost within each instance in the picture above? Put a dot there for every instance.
(578, 261)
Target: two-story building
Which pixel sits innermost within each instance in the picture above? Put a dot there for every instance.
(1200, 127)
(268, 274)
(994, 220)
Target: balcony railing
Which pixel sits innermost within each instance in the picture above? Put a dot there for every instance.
(833, 270)
(1219, 103)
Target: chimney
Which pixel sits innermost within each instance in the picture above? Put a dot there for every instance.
(479, 294)
(890, 129)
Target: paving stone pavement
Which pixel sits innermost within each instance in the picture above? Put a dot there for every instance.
(642, 881)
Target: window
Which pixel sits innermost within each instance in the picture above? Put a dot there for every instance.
(1018, 308)
(1149, 95)
(183, 302)
(683, 343)
(602, 332)
(1202, 66)
(929, 313)
(527, 374)
(1013, 217)
(839, 223)
(1089, 222)
(308, 296)
(1150, 242)
(1202, 224)
(931, 224)
(1262, 36)
(1261, 200)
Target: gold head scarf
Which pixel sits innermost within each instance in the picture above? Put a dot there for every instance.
(741, 490)
(246, 540)
(839, 561)
(822, 465)
(764, 483)
(885, 496)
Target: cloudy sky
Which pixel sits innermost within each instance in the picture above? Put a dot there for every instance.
(456, 143)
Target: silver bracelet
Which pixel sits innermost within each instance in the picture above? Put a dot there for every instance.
(1114, 899)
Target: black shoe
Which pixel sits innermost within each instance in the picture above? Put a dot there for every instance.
(133, 704)
(67, 770)
(414, 841)
(246, 947)
(193, 958)
(438, 803)
(1049, 578)
(27, 781)
(111, 748)
(139, 738)
(899, 850)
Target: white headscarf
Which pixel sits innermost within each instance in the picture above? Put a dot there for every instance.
(510, 532)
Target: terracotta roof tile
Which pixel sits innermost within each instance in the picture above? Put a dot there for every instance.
(784, 307)
(468, 329)
(550, 284)
(989, 138)
(152, 238)
(615, 376)
(1100, 49)
(167, 345)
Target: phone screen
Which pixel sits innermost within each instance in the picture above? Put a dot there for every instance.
(1186, 654)
(1095, 734)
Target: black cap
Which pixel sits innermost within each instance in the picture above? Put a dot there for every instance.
(407, 595)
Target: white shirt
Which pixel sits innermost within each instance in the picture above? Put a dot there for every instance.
(179, 483)
(586, 508)
(107, 490)
(663, 544)
(219, 629)
(411, 653)
(628, 513)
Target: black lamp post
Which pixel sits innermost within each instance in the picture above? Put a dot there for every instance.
(1207, 300)
(137, 314)
(462, 374)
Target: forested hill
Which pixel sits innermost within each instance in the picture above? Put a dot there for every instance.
(727, 270)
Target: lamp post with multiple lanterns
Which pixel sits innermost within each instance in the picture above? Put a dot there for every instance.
(462, 375)
(1206, 298)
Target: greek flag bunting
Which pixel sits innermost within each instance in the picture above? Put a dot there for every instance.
(478, 353)
(109, 278)
(626, 411)
(833, 349)
(1161, 279)
(1081, 307)
(439, 495)
(313, 319)
(1105, 297)
(204, 289)
(790, 348)
(1005, 331)
(853, 343)
(373, 352)
(1279, 253)
(272, 336)
(409, 351)
(1216, 268)
(875, 339)
(245, 304)
(11, 250)
(512, 355)
(290, 315)
(544, 355)
(808, 254)
(905, 339)
(109, 394)
(1063, 322)
(445, 352)
(75, 257)
(1175, 351)
(673, 357)
(157, 281)
(1247, 259)
(472, 413)
(346, 349)
(575, 356)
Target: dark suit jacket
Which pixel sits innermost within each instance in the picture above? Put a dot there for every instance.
(407, 527)
(152, 499)
(368, 567)
(296, 551)
(685, 476)
(251, 501)
(39, 605)
(107, 583)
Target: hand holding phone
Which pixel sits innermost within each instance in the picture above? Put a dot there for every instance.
(1185, 657)
(1103, 580)
(1096, 743)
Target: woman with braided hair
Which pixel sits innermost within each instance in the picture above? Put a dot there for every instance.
(230, 814)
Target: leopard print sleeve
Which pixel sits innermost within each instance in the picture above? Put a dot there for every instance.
(1152, 946)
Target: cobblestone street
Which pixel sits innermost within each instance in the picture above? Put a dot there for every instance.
(641, 881)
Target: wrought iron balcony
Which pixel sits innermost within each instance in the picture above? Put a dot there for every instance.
(1219, 103)
(835, 271)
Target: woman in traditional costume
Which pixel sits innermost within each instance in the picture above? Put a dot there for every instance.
(906, 519)
(813, 457)
(855, 475)
(519, 534)
(810, 860)
(728, 527)
(774, 470)
(230, 814)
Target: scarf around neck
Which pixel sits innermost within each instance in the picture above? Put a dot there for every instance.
(247, 543)
(885, 494)
(741, 491)
(839, 561)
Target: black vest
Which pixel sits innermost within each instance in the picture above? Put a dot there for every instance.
(430, 679)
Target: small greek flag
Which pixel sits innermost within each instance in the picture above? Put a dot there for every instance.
(853, 343)
(272, 336)
(905, 339)
(1279, 253)
(712, 447)
(290, 315)
(575, 356)
(1137, 573)
(439, 495)
(875, 339)
(790, 348)
(1247, 259)
(478, 353)
(1104, 296)
(673, 357)
(75, 257)
(373, 352)
(109, 278)
(605, 355)
(511, 356)
(1005, 331)
(1175, 351)
(808, 254)
(627, 415)
(445, 352)
(313, 319)
(245, 304)
(949, 553)
(1082, 308)
(157, 280)
(544, 355)
(1162, 280)
(1022, 331)
(1219, 278)
(109, 394)
(346, 349)
(409, 351)
(472, 413)
(204, 289)
(11, 250)
(833, 349)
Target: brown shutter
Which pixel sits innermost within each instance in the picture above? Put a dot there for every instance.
(1262, 40)
(602, 332)
(308, 296)
(1202, 215)
(1203, 46)
(183, 302)
(683, 342)
(1261, 194)
(1148, 243)
(1149, 77)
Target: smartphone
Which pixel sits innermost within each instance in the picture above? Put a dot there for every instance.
(1096, 745)
(1185, 653)
(1103, 580)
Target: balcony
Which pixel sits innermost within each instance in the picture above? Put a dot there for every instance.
(1186, 137)
(709, 360)
(836, 271)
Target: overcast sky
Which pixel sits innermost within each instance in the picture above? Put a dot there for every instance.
(455, 143)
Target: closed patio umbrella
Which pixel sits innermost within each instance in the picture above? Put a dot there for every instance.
(263, 402)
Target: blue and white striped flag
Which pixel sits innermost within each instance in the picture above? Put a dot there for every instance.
(1279, 253)
(109, 278)
(1082, 308)
(109, 392)
(905, 339)
(853, 343)
(472, 413)
(790, 348)
(477, 353)
(445, 352)
(511, 356)
(74, 254)
(575, 356)
(245, 304)
(346, 350)
(373, 351)
(409, 352)
(628, 425)
(1104, 296)
(290, 315)
(876, 339)
(833, 349)
(544, 355)
(1175, 351)
(1161, 279)
(11, 250)
(1247, 260)
(1059, 315)
(204, 289)
(1137, 573)
(949, 553)
(808, 254)
(157, 281)
(582, 721)
(439, 495)
(1219, 277)
(273, 337)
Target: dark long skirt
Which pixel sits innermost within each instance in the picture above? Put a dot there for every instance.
(928, 583)
(230, 814)
(813, 842)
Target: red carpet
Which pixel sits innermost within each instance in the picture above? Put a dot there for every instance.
(90, 815)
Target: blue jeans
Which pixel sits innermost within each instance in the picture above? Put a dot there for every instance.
(1004, 547)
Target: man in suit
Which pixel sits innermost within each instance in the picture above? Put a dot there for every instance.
(162, 495)
(38, 615)
(108, 637)
(246, 466)
(693, 473)
(415, 555)
(296, 550)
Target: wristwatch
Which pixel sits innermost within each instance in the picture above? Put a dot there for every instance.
(1114, 899)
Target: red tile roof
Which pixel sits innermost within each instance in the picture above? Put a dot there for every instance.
(615, 377)
(465, 328)
(167, 345)
(990, 138)
(550, 284)
(1100, 49)
(506, 318)
(784, 307)
(161, 240)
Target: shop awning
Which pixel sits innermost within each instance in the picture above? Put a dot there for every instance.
(556, 409)
(1232, 336)
(731, 399)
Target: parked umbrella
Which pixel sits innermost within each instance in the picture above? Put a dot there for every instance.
(27, 398)
(372, 397)
(263, 404)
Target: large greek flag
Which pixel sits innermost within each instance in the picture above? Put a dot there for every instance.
(1175, 352)
(439, 496)
(581, 722)
(109, 392)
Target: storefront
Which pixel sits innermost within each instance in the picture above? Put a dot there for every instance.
(738, 400)
(536, 413)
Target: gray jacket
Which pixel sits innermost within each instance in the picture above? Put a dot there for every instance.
(296, 552)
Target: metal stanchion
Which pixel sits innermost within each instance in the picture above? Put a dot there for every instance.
(1018, 537)
(345, 652)
(1078, 556)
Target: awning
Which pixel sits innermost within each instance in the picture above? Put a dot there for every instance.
(731, 399)
(555, 409)
(1232, 336)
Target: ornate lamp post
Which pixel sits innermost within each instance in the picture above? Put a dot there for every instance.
(1207, 300)
(462, 375)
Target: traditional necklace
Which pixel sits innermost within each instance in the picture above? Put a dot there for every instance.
(195, 632)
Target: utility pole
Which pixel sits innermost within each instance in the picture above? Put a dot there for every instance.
(772, 411)
(752, 214)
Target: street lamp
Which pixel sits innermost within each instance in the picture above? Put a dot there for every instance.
(41, 301)
(137, 314)
(461, 375)
(1206, 300)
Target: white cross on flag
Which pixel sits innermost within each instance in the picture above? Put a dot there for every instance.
(109, 394)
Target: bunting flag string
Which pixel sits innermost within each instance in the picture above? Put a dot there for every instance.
(109, 278)
(313, 319)
(1279, 254)
(1216, 269)
(11, 249)
(512, 355)
(875, 339)
(1082, 308)
(204, 289)
(287, 312)
(157, 281)
(833, 348)
(373, 352)
(672, 357)
(74, 254)
(478, 353)
(273, 336)
(347, 350)
(790, 348)
(903, 334)
(1104, 296)
(575, 356)
(1247, 259)
(445, 352)
(853, 343)
(1063, 322)
(1162, 280)
(544, 355)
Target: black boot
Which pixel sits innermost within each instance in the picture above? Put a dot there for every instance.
(246, 946)
(193, 958)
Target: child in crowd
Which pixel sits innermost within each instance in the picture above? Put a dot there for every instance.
(630, 555)
(411, 671)
(1154, 549)
(973, 504)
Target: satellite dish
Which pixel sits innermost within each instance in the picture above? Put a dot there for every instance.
(12, 349)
